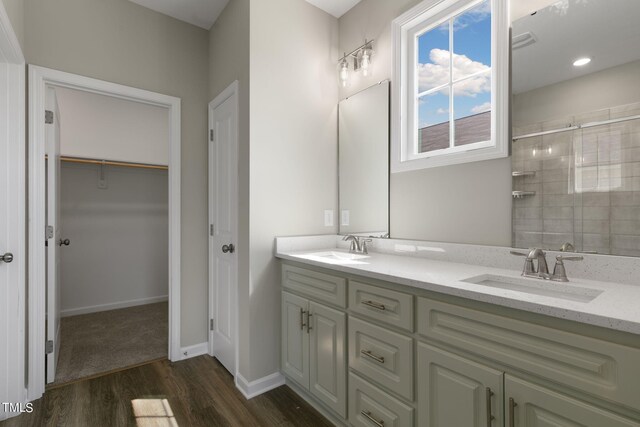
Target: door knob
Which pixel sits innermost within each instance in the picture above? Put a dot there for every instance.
(8, 257)
(228, 248)
(65, 242)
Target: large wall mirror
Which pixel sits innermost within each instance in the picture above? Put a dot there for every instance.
(363, 128)
(576, 127)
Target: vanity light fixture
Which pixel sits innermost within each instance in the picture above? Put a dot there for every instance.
(344, 71)
(581, 61)
(361, 57)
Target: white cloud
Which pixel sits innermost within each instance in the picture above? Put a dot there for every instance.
(436, 73)
(481, 108)
(477, 14)
(442, 111)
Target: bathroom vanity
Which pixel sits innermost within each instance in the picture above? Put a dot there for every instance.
(387, 339)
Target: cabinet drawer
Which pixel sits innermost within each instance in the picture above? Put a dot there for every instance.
(318, 286)
(394, 308)
(371, 407)
(382, 355)
(594, 366)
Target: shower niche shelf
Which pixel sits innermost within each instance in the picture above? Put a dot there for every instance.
(522, 194)
(523, 173)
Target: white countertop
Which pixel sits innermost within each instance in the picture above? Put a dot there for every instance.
(617, 307)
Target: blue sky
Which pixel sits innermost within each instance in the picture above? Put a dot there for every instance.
(472, 54)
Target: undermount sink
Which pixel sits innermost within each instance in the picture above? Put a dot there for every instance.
(338, 256)
(537, 287)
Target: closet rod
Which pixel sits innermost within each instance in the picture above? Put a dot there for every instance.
(110, 163)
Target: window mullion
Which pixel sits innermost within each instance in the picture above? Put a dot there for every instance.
(451, 112)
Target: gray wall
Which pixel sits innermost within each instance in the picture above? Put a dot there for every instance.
(605, 89)
(229, 61)
(431, 204)
(119, 240)
(294, 97)
(122, 42)
(15, 11)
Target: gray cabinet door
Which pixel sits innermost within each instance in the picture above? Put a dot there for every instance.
(530, 405)
(328, 376)
(454, 391)
(295, 338)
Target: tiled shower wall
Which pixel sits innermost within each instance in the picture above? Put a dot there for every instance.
(586, 184)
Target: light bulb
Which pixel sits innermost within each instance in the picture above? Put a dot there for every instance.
(344, 72)
(365, 62)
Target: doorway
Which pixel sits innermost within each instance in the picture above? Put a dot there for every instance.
(103, 189)
(223, 228)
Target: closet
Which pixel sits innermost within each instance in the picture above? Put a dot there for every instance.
(112, 251)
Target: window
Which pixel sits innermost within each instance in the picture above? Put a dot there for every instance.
(450, 83)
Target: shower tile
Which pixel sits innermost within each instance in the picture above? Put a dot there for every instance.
(557, 123)
(557, 212)
(596, 240)
(626, 242)
(625, 199)
(528, 213)
(596, 199)
(625, 213)
(631, 227)
(557, 187)
(596, 213)
(595, 226)
(558, 225)
(555, 200)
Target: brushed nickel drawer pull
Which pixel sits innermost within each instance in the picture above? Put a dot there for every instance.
(302, 324)
(309, 328)
(490, 417)
(375, 305)
(370, 355)
(512, 410)
(368, 416)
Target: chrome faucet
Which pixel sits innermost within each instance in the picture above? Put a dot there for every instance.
(541, 270)
(358, 246)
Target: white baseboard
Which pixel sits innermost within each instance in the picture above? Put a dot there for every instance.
(194, 350)
(112, 306)
(257, 387)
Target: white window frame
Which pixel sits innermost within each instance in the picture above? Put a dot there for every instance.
(428, 14)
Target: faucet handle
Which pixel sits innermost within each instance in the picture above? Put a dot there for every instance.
(559, 272)
(528, 268)
(363, 243)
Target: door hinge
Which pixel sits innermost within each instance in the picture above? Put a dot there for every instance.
(49, 232)
(211, 135)
(49, 347)
(211, 323)
(48, 117)
(211, 229)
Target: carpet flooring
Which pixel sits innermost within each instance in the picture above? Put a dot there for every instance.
(95, 343)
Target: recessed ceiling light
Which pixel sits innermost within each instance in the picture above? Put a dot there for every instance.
(581, 61)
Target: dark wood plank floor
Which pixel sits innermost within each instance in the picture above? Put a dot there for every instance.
(199, 391)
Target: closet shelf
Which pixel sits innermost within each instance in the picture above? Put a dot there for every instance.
(112, 163)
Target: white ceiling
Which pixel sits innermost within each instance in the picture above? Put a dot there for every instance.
(202, 13)
(336, 8)
(609, 34)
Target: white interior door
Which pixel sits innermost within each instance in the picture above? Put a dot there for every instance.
(12, 232)
(52, 138)
(223, 212)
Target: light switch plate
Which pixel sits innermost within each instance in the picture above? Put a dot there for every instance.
(328, 218)
(344, 217)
